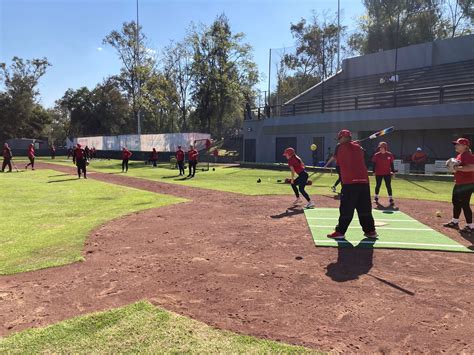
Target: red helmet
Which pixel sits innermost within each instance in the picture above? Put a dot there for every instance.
(463, 141)
(344, 133)
(289, 152)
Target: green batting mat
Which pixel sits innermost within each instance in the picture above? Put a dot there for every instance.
(396, 231)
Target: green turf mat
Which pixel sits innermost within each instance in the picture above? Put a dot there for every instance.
(396, 231)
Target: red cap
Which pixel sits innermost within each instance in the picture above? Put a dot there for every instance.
(289, 152)
(78, 145)
(463, 141)
(344, 133)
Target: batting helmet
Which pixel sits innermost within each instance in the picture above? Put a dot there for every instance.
(289, 152)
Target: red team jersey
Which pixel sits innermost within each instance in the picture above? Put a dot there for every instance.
(383, 163)
(80, 154)
(193, 155)
(126, 154)
(179, 155)
(467, 177)
(31, 152)
(350, 158)
(296, 163)
(7, 153)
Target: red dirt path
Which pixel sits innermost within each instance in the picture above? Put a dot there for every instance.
(231, 261)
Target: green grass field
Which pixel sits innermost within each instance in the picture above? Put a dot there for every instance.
(241, 180)
(46, 216)
(138, 328)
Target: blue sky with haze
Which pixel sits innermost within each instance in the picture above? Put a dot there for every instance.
(70, 32)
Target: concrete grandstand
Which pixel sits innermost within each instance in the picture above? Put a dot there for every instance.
(428, 96)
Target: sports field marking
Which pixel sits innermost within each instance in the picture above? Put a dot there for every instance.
(377, 219)
(400, 232)
(395, 243)
(384, 228)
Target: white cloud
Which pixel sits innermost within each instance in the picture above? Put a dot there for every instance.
(99, 49)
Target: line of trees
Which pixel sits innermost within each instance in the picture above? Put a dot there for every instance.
(204, 81)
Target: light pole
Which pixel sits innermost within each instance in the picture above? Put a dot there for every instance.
(137, 69)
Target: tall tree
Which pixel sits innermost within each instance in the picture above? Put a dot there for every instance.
(391, 23)
(315, 56)
(459, 17)
(20, 112)
(137, 59)
(178, 60)
(224, 76)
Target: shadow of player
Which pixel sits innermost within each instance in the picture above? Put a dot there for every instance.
(64, 180)
(469, 237)
(352, 262)
(291, 211)
(381, 207)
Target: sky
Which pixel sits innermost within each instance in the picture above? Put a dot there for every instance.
(70, 32)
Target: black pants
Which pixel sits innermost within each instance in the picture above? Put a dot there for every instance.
(299, 184)
(81, 167)
(32, 163)
(7, 162)
(125, 165)
(338, 181)
(355, 197)
(388, 183)
(153, 161)
(192, 167)
(181, 167)
(462, 200)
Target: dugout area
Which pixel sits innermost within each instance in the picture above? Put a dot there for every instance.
(396, 230)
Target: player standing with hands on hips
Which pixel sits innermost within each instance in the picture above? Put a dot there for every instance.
(355, 194)
(126, 154)
(180, 160)
(464, 185)
(298, 185)
(384, 170)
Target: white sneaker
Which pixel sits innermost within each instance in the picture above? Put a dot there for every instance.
(310, 204)
(297, 201)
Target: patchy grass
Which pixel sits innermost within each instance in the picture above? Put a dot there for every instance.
(138, 328)
(46, 216)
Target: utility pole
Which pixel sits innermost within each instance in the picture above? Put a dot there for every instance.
(137, 66)
(338, 33)
(396, 62)
(269, 78)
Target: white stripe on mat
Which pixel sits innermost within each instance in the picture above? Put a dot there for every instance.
(379, 220)
(381, 228)
(336, 209)
(393, 243)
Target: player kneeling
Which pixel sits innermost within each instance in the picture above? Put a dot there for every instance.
(297, 168)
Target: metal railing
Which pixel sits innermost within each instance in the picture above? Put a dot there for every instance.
(431, 95)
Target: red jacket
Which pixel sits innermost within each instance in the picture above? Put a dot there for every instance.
(31, 152)
(193, 155)
(126, 154)
(464, 177)
(7, 153)
(383, 163)
(154, 155)
(80, 154)
(350, 158)
(296, 163)
(179, 155)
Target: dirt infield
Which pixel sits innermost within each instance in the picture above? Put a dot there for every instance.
(242, 263)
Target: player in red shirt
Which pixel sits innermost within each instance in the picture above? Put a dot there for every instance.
(81, 161)
(31, 157)
(355, 193)
(192, 160)
(7, 158)
(126, 154)
(383, 169)
(154, 157)
(464, 185)
(297, 167)
(180, 160)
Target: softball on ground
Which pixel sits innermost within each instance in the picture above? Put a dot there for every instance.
(313, 147)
